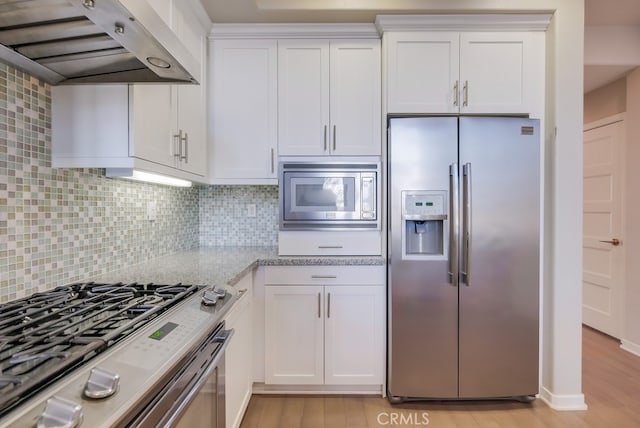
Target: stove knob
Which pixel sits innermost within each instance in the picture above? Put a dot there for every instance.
(101, 384)
(210, 297)
(60, 413)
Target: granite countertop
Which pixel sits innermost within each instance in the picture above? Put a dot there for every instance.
(220, 265)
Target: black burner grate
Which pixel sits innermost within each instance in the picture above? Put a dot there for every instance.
(47, 334)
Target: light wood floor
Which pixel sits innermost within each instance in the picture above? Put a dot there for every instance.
(611, 384)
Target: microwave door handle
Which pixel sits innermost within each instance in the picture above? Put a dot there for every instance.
(366, 194)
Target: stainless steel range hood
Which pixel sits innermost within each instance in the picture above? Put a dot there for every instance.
(93, 41)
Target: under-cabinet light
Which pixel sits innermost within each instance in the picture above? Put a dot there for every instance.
(148, 177)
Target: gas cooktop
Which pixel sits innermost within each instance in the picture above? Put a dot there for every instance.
(47, 335)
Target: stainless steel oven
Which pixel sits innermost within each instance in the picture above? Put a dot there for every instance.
(194, 395)
(329, 195)
(103, 355)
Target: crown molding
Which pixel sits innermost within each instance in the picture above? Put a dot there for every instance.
(293, 31)
(476, 22)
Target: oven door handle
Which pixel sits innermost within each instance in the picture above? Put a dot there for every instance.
(171, 417)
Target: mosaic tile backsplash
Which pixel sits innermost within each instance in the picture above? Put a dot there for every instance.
(62, 225)
(224, 220)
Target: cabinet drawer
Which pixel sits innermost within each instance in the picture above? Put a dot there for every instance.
(329, 243)
(321, 275)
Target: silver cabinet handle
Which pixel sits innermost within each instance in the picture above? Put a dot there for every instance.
(328, 305)
(334, 138)
(273, 162)
(323, 276)
(465, 94)
(455, 94)
(319, 314)
(177, 145)
(453, 223)
(335, 247)
(185, 140)
(466, 224)
(325, 138)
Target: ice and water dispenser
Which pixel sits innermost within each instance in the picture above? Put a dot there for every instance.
(424, 232)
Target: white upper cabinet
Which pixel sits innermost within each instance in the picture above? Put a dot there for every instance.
(423, 72)
(355, 92)
(303, 97)
(497, 72)
(154, 127)
(243, 99)
(329, 97)
(177, 137)
(467, 73)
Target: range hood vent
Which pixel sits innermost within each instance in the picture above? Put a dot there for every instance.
(93, 41)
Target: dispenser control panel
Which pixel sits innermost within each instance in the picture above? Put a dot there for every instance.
(424, 204)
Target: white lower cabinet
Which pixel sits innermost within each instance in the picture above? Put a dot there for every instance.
(239, 355)
(294, 335)
(324, 325)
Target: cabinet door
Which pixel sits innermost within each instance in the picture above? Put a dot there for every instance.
(244, 94)
(153, 123)
(239, 356)
(303, 97)
(504, 86)
(422, 72)
(294, 351)
(355, 97)
(191, 102)
(354, 335)
(191, 121)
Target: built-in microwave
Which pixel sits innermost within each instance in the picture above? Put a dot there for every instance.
(329, 195)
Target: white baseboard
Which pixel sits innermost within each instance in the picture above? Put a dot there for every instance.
(563, 402)
(629, 346)
(264, 389)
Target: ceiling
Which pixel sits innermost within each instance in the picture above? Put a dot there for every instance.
(597, 12)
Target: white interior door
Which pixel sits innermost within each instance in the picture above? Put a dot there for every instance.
(603, 246)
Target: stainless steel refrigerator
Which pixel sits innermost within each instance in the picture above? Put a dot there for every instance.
(463, 267)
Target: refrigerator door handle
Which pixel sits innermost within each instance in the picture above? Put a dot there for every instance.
(466, 224)
(454, 225)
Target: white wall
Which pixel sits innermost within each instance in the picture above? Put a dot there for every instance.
(631, 326)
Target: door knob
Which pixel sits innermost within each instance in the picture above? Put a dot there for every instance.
(615, 242)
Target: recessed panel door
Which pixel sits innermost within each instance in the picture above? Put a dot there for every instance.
(602, 216)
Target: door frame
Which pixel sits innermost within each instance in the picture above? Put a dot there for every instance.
(610, 120)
